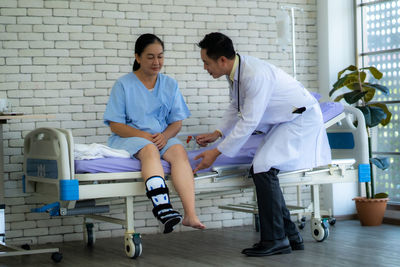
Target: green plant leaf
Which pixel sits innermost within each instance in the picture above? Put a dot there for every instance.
(377, 115)
(338, 83)
(374, 71)
(380, 162)
(354, 96)
(350, 79)
(350, 68)
(354, 86)
(385, 109)
(381, 195)
(373, 115)
(363, 76)
(346, 80)
(367, 114)
(337, 99)
(369, 95)
(378, 87)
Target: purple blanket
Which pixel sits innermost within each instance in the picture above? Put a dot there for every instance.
(131, 165)
(329, 110)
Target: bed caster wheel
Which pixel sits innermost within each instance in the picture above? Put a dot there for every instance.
(90, 237)
(325, 224)
(302, 223)
(133, 245)
(319, 229)
(332, 221)
(26, 247)
(56, 256)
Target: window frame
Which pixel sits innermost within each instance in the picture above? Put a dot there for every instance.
(360, 54)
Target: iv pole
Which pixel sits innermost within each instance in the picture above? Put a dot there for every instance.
(292, 9)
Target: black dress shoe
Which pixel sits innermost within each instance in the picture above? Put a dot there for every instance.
(254, 246)
(296, 242)
(267, 248)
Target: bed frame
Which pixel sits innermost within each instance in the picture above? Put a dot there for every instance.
(49, 175)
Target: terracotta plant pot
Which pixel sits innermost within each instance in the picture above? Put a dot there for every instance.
(370, 210)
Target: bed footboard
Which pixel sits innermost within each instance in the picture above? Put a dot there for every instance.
(348, 138)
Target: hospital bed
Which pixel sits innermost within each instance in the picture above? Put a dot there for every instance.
(76, 187)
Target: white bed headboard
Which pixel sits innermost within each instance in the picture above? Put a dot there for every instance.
(48, 153)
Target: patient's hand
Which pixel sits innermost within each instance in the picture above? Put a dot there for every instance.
(208, 156)
(159, 140)
(146, 135)
(205, 139)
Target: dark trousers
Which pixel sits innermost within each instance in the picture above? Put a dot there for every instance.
(275, 222)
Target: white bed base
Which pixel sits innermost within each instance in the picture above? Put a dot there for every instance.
(49, 161)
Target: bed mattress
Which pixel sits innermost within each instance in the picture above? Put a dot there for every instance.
(109, 165)
(131, 165)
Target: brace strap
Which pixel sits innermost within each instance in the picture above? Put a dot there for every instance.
(164, 212)
(165, 216)
(157, 191)
(161, 207)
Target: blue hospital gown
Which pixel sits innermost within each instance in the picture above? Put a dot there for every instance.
(131, 103)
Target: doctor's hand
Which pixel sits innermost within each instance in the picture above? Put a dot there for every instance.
(208, 158)
(159, 140)
(205, 139)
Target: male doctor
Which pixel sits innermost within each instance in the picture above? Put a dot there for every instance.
(265, 100)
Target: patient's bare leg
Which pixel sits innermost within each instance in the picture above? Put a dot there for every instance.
(149, 157)
(156, 189)
(182, 178)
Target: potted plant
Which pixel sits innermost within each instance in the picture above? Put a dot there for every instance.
(361, 94)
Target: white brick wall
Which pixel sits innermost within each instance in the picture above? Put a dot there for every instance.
(62, 57)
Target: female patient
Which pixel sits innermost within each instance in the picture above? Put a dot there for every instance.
(145, 112)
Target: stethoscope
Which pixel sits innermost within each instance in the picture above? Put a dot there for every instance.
(238, 90)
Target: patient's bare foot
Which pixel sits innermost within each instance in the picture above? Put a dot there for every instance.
(193, 222)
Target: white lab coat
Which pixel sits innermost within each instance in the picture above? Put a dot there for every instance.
(268, 96)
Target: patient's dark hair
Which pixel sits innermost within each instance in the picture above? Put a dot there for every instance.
(141, 43)
(217, 45)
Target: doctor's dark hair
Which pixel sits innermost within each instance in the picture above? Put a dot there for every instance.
(141, 43)
(217, 45)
